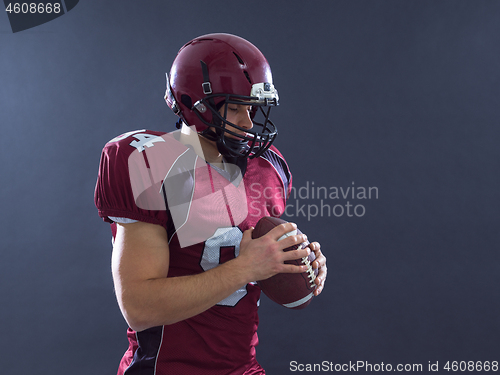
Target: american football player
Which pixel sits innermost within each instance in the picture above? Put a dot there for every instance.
(184, 262)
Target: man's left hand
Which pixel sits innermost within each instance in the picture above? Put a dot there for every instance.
(319, 264)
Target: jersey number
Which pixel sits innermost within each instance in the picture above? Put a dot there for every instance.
(141, 139)
(222, 246)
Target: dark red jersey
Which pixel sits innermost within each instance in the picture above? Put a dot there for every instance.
(154, 177)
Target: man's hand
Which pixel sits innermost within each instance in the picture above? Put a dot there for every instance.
(264, 257)
(320, 265)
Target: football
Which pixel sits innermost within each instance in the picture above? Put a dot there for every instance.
(292, 290)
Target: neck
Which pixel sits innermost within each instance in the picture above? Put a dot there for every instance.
(204, 148)
(210, 151)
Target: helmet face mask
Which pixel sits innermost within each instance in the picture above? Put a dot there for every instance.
(233, 140)
(213, 71)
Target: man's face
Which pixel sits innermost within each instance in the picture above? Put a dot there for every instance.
(239, 115)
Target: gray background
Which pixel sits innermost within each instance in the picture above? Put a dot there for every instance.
(398, 95)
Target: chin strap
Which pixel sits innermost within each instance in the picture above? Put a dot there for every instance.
(228, 147)
(240, 161)
(209, 134)
(178, 124)
(207, 87)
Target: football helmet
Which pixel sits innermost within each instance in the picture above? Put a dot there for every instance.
(215, 70)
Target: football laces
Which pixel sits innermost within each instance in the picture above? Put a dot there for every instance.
(310, 271)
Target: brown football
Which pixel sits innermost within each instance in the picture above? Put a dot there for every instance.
(292, 290)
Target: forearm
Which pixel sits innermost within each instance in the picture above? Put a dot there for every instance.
(167, 300)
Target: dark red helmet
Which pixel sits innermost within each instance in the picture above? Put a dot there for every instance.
(212, 71)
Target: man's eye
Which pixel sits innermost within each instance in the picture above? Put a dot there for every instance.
(232, 109)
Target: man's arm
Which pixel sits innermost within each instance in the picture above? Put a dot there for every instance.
(148, 298)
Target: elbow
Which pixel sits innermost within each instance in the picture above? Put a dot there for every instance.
(135, 315)
(139, 316)
(136, 322)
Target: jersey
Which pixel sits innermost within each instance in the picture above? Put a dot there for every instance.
(154, 177)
